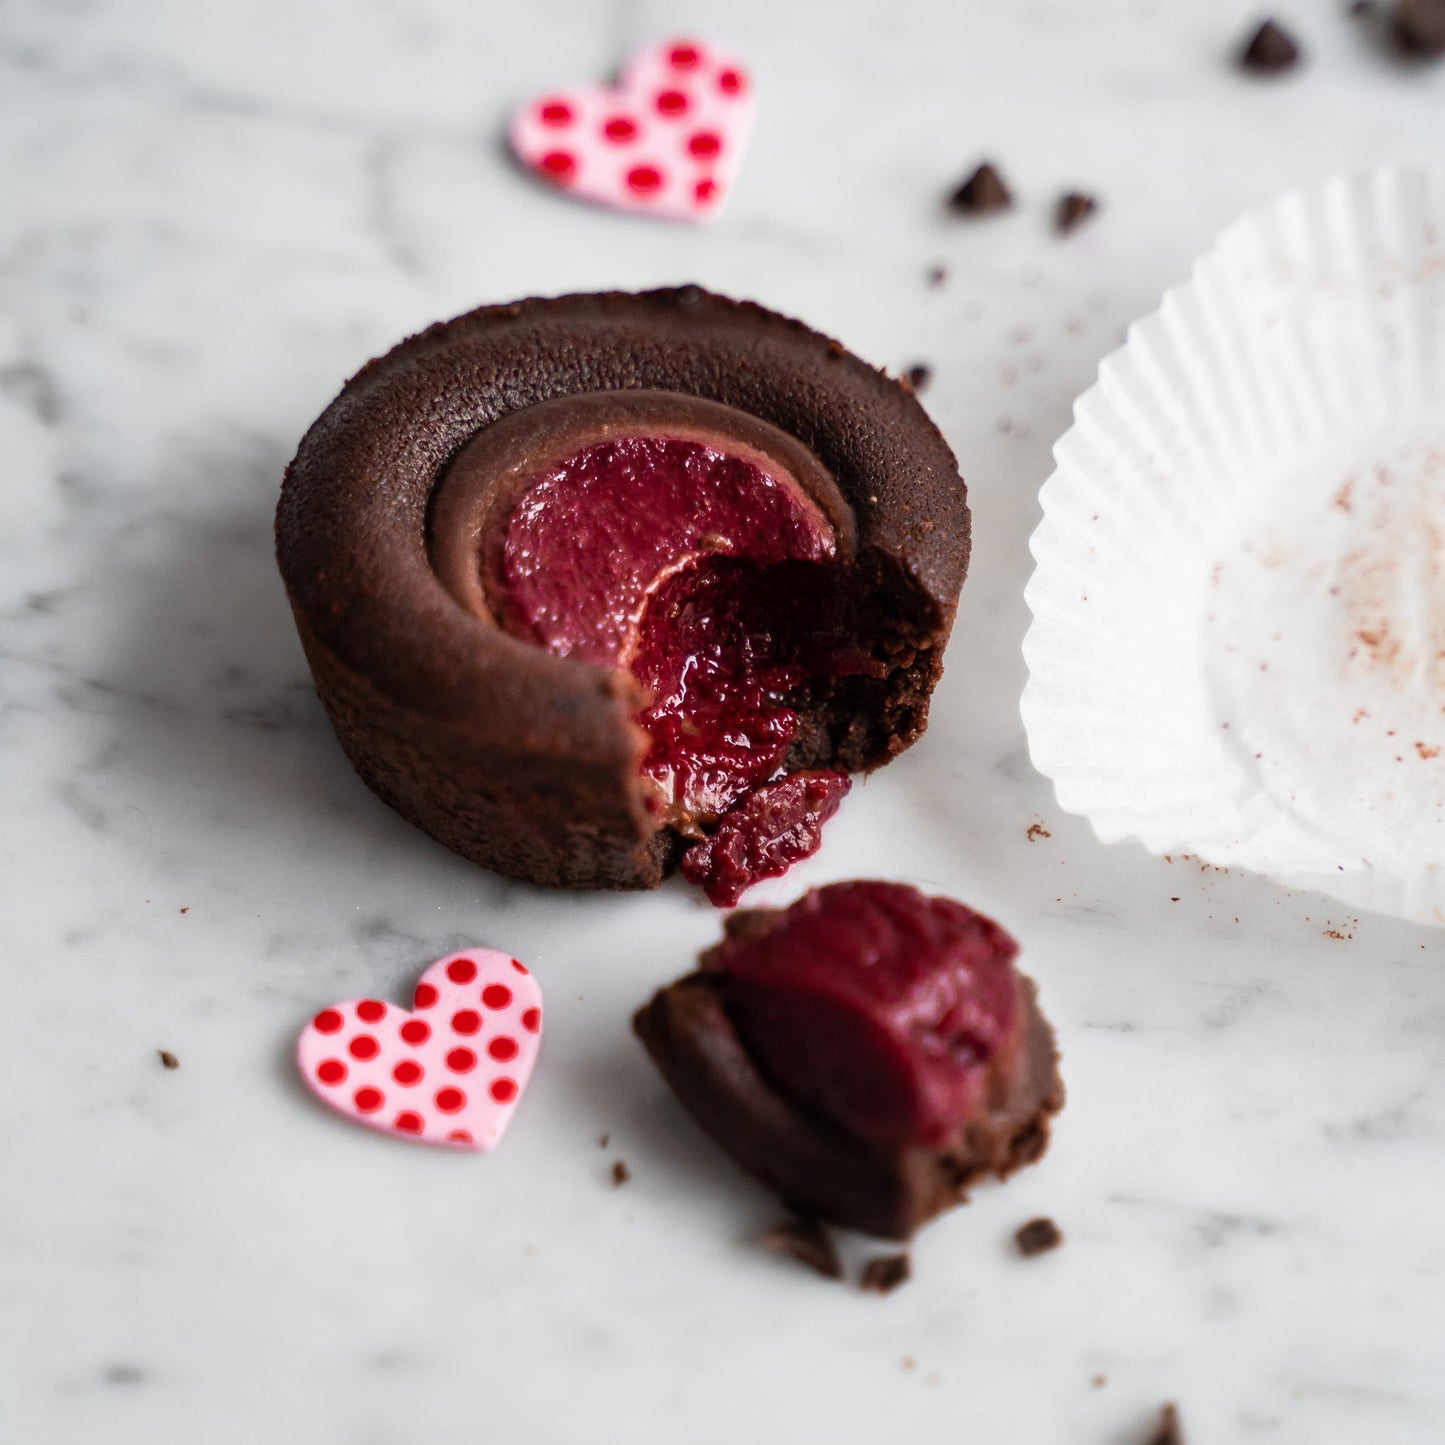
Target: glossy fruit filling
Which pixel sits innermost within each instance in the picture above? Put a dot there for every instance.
(711, 578)
(877, 1007)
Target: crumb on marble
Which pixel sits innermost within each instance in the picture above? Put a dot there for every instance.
(886, 1273)
(168, 1059)
(1038, 1236)
(809, 1243)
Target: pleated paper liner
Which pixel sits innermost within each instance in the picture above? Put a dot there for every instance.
(1238, 638)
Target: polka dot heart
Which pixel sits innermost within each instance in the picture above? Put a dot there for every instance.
(667, 141)
(449, 1071)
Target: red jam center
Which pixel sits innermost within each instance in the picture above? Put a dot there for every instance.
(593, 535)
(877, 1007)
(709, 577)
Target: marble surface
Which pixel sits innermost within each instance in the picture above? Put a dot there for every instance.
(209, 216)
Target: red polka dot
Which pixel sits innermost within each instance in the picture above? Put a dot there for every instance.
(460, 1136)
(368, 1100)
(705, 190)
(461, 1061)
(683, 57)
(520, 967)
(496, 995)
(620, 130)
(556, 112)
(450, 1100)
(369, 1010)
(559, 165)
(407, 1072)
(466, 1021)
(363, 1046)
(409, 1123)
(503, 1049)
(461, 970)
(327, 1021)
(416, 1031)
(331, 1071)
(704, 145)
(671, 102)
(503, 1090)
(425, 995)
(644, 180)
(532, 1020)
(730, 82)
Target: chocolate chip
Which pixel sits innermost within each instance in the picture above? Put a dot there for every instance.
(1420, 26)
(1073, 210)
(168, 1059)
(620, 1174)
(884, 1274)
(807, 1241)
(1038, 1236)
(1270, 50)
(1167, 1432)
(982, 193)
(919, 375)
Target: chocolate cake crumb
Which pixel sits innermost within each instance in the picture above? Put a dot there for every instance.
(808, 1242)
(937, 275)
(620, 1174)
(602, 1140)
(1420, 26)
(919, 375)
(168, 1059)
(1099, 1381)
(1038, 1236)
(983, 193)
(884, 1274)
(1073, 210)
(1167, 1432)
(1037, 831)
(186, 910)
(1271, 50)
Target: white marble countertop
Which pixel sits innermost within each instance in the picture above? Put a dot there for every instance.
(209, 216)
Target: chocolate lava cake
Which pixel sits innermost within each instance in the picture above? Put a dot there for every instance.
(868, 1053)
(599, 586)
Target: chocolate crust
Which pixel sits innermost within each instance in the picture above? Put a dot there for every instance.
(815, 1167)
(525, 762)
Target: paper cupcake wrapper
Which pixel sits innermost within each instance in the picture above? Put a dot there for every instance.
(1238, 644)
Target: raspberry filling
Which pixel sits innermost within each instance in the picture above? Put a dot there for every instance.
(712, 579)
(876, 1007)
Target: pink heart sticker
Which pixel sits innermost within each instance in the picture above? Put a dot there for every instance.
(667, 141)
(449, 1071)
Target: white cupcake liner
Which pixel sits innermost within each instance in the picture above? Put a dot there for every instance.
(1238, 644)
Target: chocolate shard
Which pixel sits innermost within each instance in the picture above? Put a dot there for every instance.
(1073, 210)
(1168, 1430)
(983, 193)
(1038, 1236)
(806, 1241)
(884, 1274)
(1270, 50)
(1419, 26)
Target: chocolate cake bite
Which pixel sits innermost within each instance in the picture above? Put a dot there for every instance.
(869, 1053)
(597, 586)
